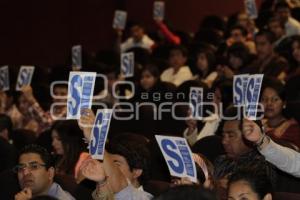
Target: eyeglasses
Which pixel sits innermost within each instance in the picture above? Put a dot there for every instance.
(31, 166)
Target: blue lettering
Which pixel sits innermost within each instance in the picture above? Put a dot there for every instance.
(96, 134)
(238, 87)
(168, 147)
(74, 103)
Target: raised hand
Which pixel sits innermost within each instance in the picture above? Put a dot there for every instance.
(93, 170)
(25, 194)
(86, 122)
(28, 94)
(252, 131)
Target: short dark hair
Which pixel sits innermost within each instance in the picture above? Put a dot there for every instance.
(241, 51)
(134, 149)
(276, 19)
(180, 48)
(268, 34)
(41, 151)
(153, 69)
(282, 4)
(257, 179)
(5, 123)
(276, 85)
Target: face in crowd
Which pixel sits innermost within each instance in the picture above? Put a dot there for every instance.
(273, 104)
(264, 47)
(148, 80)
(177, 59)
(137, 33)
(233, 140)
(33, 173)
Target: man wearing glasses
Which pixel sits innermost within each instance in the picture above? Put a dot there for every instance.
(35, 174)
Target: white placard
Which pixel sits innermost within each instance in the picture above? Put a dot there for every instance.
(252, 95)
(127, 64)
(24, 76)
(196, 102)
(80, 93)
(4, 78)
(120, 18)
(251, 8)
(99, 133)
(159, 10)
(178, 156)
(77, 57)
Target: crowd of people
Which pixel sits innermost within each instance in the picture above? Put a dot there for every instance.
(45, 156)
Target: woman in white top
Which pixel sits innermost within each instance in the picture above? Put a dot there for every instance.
(205, 66)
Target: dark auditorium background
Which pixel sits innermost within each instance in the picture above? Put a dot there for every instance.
(35, 32)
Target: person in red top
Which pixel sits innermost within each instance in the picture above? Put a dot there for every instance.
(276, 125)
(167, 33)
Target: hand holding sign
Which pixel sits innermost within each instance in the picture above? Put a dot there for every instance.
(127, 64)
(178, 156)
(28, 94)
(120, 20)
(99, 133)
(4, 78)
(86, 123)
(93, 170)
(159, 10)
(251, 131)
(24, 76)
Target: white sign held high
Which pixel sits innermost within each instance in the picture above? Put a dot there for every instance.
(24, 76)
(4, 78)
(127, 64)
(80, 93)
(159, 10)
(119, 21)
(99, 133)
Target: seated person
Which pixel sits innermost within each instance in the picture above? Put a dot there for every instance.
(138, 38)
(276, 125)
(35, 175)
(239, 153)
(112, 175)
(178, 72)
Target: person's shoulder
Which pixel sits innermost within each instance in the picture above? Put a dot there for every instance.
(57, 192)
(185, 69)
(293, 21)
(132, 193)
(167, 71)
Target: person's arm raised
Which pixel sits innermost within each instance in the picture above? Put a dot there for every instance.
(116, 179)
(284, 158)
